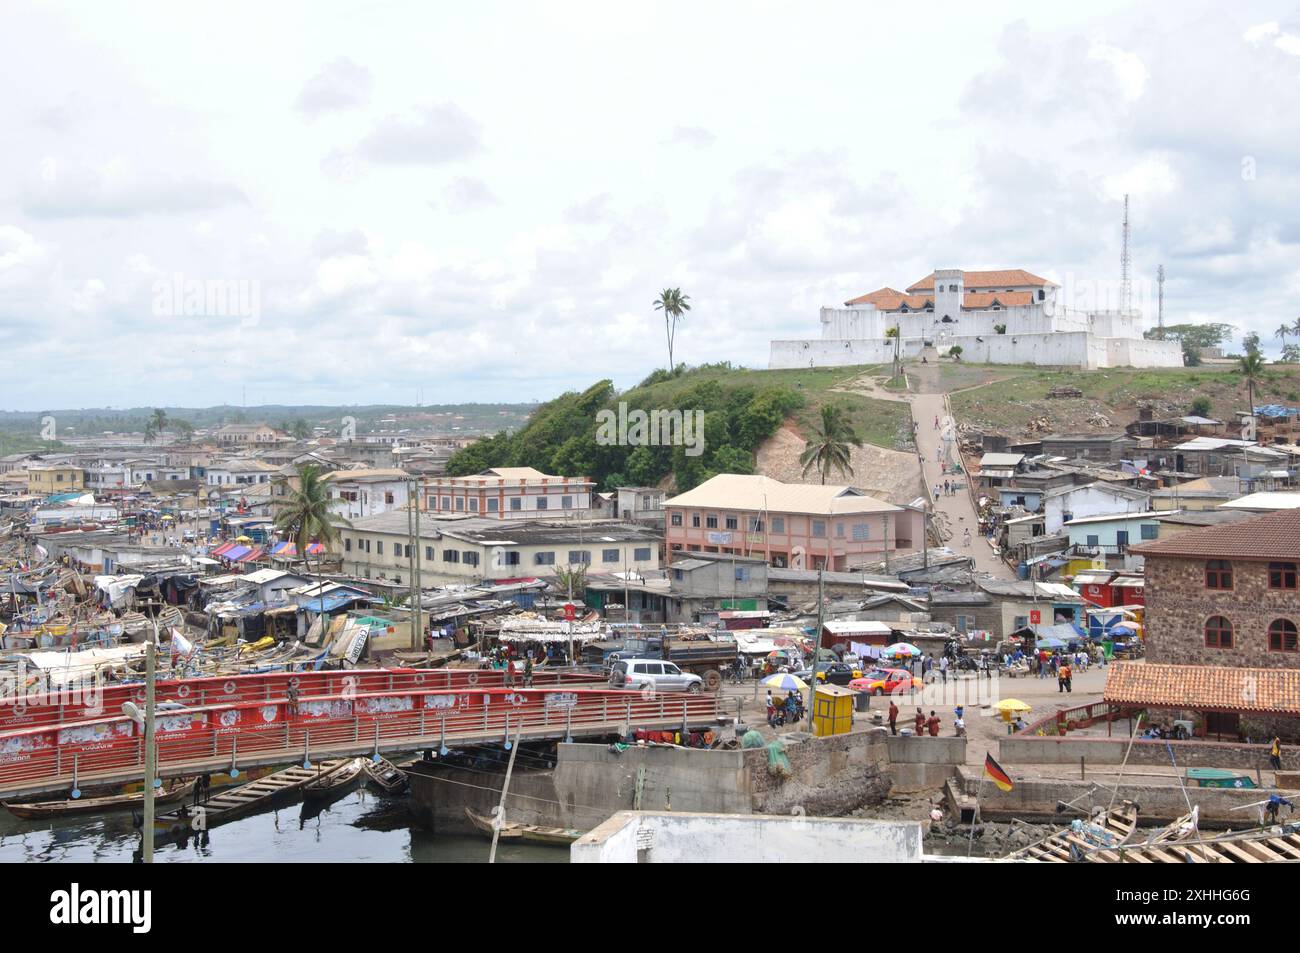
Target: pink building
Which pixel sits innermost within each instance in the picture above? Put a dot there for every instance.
(509, 493)
(793, 525)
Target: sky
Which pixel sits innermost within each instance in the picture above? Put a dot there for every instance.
(385, 202)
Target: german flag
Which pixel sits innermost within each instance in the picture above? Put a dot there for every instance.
(993, 771)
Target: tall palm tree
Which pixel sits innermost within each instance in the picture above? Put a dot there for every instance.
(159, 418)
(1251, 366)
(830, 446)
(674, 305)
(304, 514)
(1283, 332)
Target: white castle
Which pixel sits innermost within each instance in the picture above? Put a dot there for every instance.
(996, 317)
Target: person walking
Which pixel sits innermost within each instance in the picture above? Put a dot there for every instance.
(920, 723)
(771, 709)
(1275, 754)
(1066, 675)
(893, 717)
(943, 669)
(933, 725)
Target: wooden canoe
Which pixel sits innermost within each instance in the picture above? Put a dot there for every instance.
(331, 784)
(386, 776)
(39, 810)
(1103, 830)
(250, 798)
(525, 832)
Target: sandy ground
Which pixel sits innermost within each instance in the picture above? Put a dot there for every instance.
(888, 474)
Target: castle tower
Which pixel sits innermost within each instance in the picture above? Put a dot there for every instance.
(949, 287)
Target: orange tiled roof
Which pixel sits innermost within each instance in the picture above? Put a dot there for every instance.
(886, 299)
(979, 300)
(1009, 278)
(1273, 536)
(1204, 687)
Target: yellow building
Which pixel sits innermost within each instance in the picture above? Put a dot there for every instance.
(48, 480)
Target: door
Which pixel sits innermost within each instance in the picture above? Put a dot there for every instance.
(1121, 540)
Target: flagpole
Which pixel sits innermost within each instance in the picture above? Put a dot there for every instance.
(970, 843)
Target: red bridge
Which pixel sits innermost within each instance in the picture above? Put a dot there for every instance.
(52, 744)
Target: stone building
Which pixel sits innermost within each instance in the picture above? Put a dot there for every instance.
(1226, 594)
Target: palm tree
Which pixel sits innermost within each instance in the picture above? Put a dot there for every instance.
(150, 431)
(674, 305)
(304, 514)
(1251, 367)
(829, 447)
(1282, 332)
(159, 418)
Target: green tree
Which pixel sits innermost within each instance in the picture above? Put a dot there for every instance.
(304, 514)
(1251, 366)
(150, 431)
(301, 429)
(732, 460)
(1283, 332)
(830, 445)
(159, 418)
(184, 428)
(674, 305)
(1291, 354)
(1200, 407)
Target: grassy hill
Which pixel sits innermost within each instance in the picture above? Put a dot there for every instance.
(741, 407)
(1017, 402)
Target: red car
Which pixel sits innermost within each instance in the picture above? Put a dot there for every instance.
(886, 681)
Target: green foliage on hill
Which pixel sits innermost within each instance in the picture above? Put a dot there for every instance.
(567, 435)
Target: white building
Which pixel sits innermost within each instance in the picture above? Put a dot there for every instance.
(509, 493)
(357, 493)
(995, 317)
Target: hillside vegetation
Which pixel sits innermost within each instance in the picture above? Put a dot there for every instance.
(742, 408)
(1019, 402)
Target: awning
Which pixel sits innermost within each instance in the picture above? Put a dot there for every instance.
(257, 552)
(234, 553)
(288, 549)
(222, 549)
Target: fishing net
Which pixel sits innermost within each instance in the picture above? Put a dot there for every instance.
(751, 739)
(778, 763)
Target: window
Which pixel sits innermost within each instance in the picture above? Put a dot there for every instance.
(755, 524)
(450, 556)
(388, 496)
(446, 503)
(544, 559)
(493, 504)
(428, 553)
(347, 545)
(566, 502)
(609, 556)
(512, 557)
(1218, 632)
(469, 558)
(473, 505)
(460, 503)
(1094, 541)
(367, 542)
(1218, 574)
(1020, 622)
(1281, 576)
(676, 519)
(819, 528)
(379, 547)
(579, 557)
(695, 520)
(732, 523)
(839, 530)
(1148, 531)
(542, 502)
(742, 574)
(778, 524)
(861, 531)
(516, 503)
(641, 554)
(1282, 636)
(711, 522)
(962, 622)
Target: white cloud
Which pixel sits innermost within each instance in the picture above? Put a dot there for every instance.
(339, 86)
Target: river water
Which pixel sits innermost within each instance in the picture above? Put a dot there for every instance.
(363, 827)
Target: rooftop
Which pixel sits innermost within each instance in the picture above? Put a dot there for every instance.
(731, 491)
(1274, 536)
(1263, 502)
(1120, 517)
(1205, 687)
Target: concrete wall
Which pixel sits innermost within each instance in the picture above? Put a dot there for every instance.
(721, 838)
(1020, 749)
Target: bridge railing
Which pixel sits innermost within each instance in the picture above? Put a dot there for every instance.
(83, 701)
(319, 726)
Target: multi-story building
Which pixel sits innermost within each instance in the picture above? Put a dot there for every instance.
(789, 524)
(47, 480)
(357, 493)
(243, 435)
(1226, 594)
(470, 551)
(995, 317)
(509, 493)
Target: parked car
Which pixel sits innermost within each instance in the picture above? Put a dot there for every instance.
(886, 681)
(836, 673)
(656, 674)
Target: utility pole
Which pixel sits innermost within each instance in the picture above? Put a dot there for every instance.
(413, 560)
(817, 643)
(145, 721)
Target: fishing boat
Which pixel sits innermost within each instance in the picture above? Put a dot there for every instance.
(176, 792)
(1103, 829)
(525, 832)
(336, 783)
(386, 776)
(260, 795)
